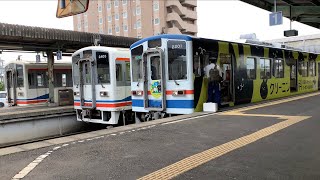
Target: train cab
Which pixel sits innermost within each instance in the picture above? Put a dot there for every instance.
(101, 84)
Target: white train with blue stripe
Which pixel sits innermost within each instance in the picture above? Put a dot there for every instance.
(27, 82)
(101, 85)
(162, 78)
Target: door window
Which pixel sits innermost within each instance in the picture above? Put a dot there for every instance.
(155, 68)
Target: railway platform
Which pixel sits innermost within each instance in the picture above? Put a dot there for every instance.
(270, 140)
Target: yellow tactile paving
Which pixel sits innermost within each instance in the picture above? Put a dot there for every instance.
(196, 160)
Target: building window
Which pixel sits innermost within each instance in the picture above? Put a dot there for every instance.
(110, 31)
(124, 15)
(117, 16)
(138, 11)
(265, 68)
(116, 3)
(109, 6)
(117, 29)
(156, 21)
(125, 27)
(156, 6)
(135, 26)
(134, 12)
(100, 9)
(124, 2)
(251, 68)
(278, 68)
(109, 18)
(138, 24)
(86, 24)
(100, 20)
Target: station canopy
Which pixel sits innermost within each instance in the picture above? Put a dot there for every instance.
(303, 11)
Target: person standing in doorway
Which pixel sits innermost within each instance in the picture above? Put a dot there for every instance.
(214, 75)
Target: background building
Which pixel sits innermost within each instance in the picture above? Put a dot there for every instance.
(310, 43)
(139, 18)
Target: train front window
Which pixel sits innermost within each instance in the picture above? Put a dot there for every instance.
(103, 67)
(20, 76)
(177, 60)
(136, 55)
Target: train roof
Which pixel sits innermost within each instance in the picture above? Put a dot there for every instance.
(100, 48)
(245, 41)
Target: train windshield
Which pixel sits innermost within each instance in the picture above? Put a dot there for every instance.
(103, 67)
(136, 55)
(177, 64)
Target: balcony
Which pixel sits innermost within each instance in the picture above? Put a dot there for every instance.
(181, 24)
(191, 3)
(184, 12)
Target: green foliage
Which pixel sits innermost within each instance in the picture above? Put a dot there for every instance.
(1, 86)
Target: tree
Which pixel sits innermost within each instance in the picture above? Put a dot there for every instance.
(1, 86)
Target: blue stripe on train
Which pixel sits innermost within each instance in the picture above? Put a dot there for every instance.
(107, 101)
(46, 96)
(182, 104)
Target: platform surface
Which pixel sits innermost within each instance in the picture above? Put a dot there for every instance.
(274, 140)
(16, 112)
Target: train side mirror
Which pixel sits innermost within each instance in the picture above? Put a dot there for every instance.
(67, 8)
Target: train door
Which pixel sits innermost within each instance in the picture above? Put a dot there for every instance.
(87, 87)
(293, 77)
(318, 76)
(11, 86)
(227, 79)
(154, 91)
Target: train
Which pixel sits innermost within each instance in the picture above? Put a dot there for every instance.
(168, 75)
(27, 82)
(101, 85)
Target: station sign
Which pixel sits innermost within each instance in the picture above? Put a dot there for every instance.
(275, 18)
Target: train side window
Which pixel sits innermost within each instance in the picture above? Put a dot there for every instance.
(32, 80)
(265, 68)
(303, 69)
(251, 68)
(312, 68)
(40, 80)
(20, 77)
(278, 68)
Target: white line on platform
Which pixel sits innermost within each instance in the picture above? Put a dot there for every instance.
(197, 117)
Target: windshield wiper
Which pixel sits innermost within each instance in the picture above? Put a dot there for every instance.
(175, 81)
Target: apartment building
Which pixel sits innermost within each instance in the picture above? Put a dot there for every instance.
(139, 18)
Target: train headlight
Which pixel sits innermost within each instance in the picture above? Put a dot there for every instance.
(178, 93)
(104, 94)
(76, 93)
(137, 93)
(20, 93)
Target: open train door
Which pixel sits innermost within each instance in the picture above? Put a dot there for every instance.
(11, 86)
(154, 80)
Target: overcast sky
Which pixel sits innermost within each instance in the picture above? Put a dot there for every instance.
(219, 19)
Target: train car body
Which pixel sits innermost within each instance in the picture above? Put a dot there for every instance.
(101, 84)
(168, 73)
(27, 82)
